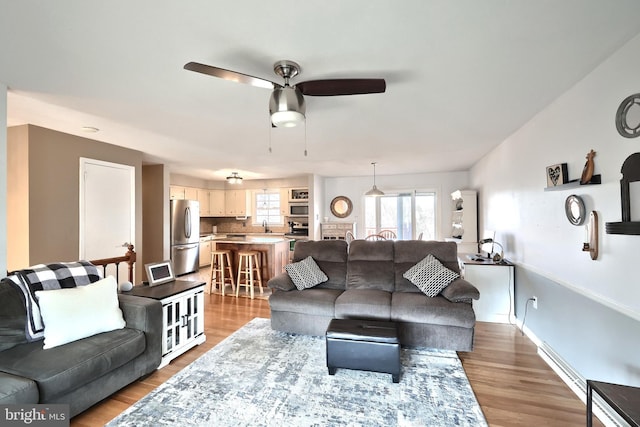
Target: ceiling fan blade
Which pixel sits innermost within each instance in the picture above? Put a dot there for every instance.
(333, 87)
(233, 76)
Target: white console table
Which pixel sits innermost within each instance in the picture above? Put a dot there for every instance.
(495, 281)
(182, 315)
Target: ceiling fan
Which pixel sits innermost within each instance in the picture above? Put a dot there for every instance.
(286, 106)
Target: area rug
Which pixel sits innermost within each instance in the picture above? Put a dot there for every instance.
(260, 377)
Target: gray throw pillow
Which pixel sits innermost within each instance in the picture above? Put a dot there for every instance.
(430, 276)
(306, 273)
(460, 291)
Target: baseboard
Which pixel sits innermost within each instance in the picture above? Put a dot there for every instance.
(576, 382)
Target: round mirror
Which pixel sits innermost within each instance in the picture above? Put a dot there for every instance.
(574, 208)
(628, 117)
(341, 207)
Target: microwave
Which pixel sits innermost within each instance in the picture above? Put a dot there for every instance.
(298, 209)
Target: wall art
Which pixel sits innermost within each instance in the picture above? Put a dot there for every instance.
(557, 175)
(628, 117)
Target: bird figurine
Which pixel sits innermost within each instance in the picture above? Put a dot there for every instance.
(587, 172)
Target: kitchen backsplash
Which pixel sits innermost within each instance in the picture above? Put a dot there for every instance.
(232, 225)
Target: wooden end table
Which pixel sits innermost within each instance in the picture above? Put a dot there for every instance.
(625, 400)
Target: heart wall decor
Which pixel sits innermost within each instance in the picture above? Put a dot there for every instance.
(557, 175)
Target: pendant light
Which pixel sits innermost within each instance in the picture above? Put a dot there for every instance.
(234, 178)
(374, 190)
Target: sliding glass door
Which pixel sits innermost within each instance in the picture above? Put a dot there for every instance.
(407, 214)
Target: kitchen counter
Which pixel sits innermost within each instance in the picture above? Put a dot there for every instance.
(274, 249)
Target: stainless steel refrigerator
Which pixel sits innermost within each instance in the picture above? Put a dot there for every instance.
(185, 236)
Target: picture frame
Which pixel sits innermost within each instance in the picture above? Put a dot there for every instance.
(159, 272)
(557, 175)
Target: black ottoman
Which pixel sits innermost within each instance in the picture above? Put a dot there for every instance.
(366, 345)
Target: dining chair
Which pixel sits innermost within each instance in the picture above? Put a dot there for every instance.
(388, 234)
(349, 237)
(375, 237)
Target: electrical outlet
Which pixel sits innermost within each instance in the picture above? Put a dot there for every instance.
(535, 302)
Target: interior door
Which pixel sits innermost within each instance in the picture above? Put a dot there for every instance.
(107, 220)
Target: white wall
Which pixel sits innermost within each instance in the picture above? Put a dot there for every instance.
(316, 209)
(3, 177)
(537, 236)
(532, 223)
(355, 187)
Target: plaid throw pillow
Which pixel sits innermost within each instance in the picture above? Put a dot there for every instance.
(430, 276)
(306, 273)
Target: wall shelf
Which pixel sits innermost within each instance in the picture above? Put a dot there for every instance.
(595, 180)
(630, 173)
(464, 220)
(625, 227)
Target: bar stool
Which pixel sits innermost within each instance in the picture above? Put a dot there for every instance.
(248, 264)
(221, 271)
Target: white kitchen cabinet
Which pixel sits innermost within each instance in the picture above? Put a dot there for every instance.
(284, 201)
(464, 220)
(237, 203)
(496, 285)
(217, 203)
(203, 198)
(190, 193)
(205, 251)
(177, 192)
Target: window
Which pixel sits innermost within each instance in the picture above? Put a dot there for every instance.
(406, 214)
(267, 207)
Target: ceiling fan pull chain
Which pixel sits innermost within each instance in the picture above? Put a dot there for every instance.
(305, 139)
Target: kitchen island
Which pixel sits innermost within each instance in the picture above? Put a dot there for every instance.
(274, 250)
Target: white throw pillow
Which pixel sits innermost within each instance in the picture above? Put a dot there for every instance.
(306, 273)
(71, 314)
(430, 276)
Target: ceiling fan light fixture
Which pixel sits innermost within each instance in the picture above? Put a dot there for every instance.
(374, 190)
(286, 119)
(286, 107)
(234, 178)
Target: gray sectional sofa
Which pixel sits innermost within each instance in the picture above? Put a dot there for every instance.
(82, 372)
(365, 281)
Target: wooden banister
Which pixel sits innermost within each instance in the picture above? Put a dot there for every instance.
(129, 258)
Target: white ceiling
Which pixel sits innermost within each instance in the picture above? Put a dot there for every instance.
(461, 76)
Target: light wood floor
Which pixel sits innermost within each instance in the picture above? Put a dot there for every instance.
(514, 386)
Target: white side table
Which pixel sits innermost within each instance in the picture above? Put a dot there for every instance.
(182, 315)
(495, 281)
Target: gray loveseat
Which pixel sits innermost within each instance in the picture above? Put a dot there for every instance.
(82, 372)
(365, 281)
